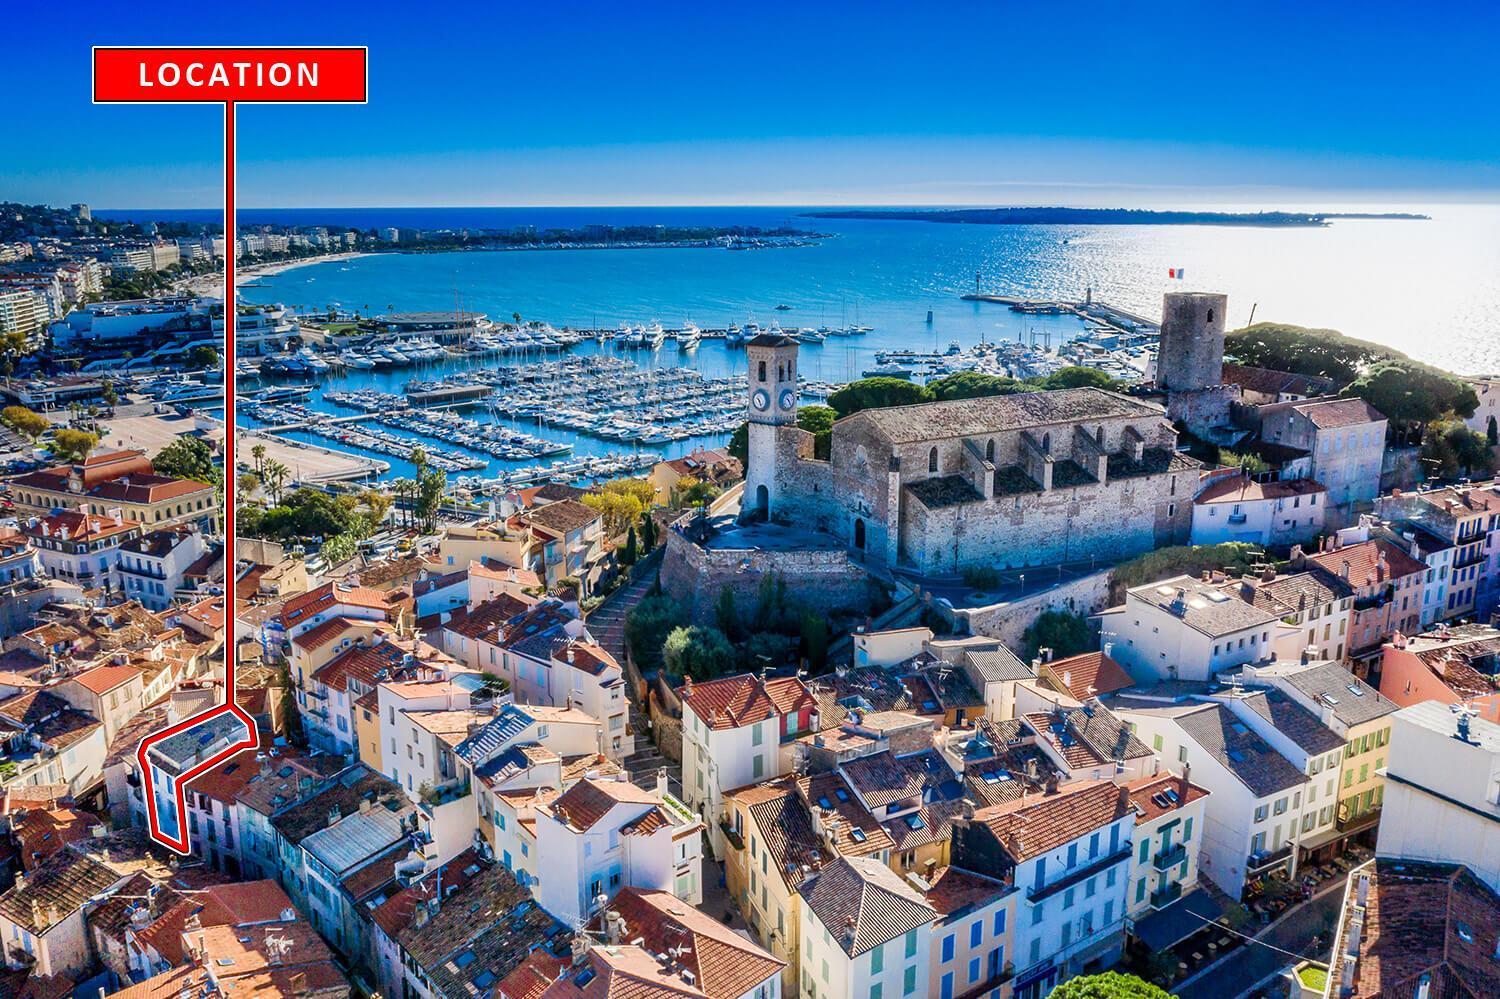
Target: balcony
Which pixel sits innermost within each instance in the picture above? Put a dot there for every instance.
(1236, 518)
(1039, 893)
(1475, 557)
(1166, 895)
(1258, 863)
(1169, 857)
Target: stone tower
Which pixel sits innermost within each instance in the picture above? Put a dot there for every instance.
(772, 405)
(1190, 356)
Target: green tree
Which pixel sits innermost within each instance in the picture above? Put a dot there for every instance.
(1452, 448)
(1077, 377)
(108, 393)
(631, 552)
(696, 651)
(1109, 985)
(203, 356)
(649, 531)
(74, 445)
(1492, 432)
(1304, 351)
(274, 475)
(25, 422)
(767, 650)
(739, 445)
(1232, 557)
(246, 483)
(696, 493)
(1411, 394)
(727, 615)
(647, 626)
(771, 610)
(1064, 633)
(186, 458)
(258, 454)
(818, 421)
(876, 393)
(1252, 463)
(975, 385)
(815, 639)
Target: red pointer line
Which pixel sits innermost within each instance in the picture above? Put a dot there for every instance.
(230, 705)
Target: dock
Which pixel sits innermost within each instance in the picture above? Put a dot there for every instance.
(1099, 314)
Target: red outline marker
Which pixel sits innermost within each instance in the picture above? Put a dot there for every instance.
(227, 75)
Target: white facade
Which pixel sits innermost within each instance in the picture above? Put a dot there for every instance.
(1184, 629)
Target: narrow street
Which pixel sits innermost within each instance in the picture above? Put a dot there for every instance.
(1244, 968)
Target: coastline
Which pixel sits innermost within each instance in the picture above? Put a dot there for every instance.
(212, 284)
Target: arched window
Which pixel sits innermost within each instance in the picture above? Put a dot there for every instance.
(762, 370)
(1210, 315)
(859, 534)
(1047, 443)
(1099, 436)
(989, 450)
(932, 460)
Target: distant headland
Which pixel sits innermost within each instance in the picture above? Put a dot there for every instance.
(1101, 216)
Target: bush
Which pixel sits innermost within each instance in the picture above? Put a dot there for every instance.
(981, 577)
(699, 652)
(647, 627)
(1232, 557)
(1109, 985)
(1065, 634)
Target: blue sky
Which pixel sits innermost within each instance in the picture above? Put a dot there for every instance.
(787, 103)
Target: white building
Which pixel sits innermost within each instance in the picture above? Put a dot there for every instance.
(154, 565)
(865, 932)
(1239, 509)
(81, 548)
(1257, 800)
(738, 730)
(1185, 629)
(600, 836)
(1442, 790)
(1168, 832)
(1346, 438)
(1068, 852)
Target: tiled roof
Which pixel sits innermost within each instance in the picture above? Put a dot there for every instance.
(320, 635)
(225, 781)
(63, 884)
(855, 831)
(973, 417)
(1088, 736)
(736, 701)
(305, 605)
(532, 976)
(998, 665)
(1243, 489)
(1365, 562)
(586, 656)
(725, 965)
(1335, 689)
(1154, 795)
(1267, 381)
(369, 664)
(576, 767)
(864, 904)
(49, 718)
(1252, 760)
(1204, 606)
(1293, 721)
(931, 823)
(955, 891)
(103, 679)
(589, 800)
(883, 778)
(1040, 823)
(1089, 675)
(1295, 594)
(1334, 413)
(343, 792)
(1429, 925)
(563, 516)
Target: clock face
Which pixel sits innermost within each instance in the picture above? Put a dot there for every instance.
(760, 400)
(788, 398)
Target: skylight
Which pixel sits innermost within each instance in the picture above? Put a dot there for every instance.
(915, 822)
(857, 834)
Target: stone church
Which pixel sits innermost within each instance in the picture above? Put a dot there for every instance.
(1008, 481)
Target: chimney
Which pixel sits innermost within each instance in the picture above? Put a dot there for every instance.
(1296, 559)
(580, 948)
(661, 782)
(1344, 570)
(1183, 783)
(1052, 783)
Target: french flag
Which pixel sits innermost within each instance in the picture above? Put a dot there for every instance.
(1176, 273)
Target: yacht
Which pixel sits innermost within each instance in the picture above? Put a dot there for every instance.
(360, 361)
(734, 336)
(655, 336)
(688, 337)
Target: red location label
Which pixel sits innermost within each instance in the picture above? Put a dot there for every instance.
(238, 75)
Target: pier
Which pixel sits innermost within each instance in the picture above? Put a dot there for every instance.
(1100, 314)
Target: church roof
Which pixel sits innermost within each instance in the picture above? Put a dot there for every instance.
(972, 417)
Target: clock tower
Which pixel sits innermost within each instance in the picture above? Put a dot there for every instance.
(773, 404)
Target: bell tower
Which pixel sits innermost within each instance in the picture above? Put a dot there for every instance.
(772, 404)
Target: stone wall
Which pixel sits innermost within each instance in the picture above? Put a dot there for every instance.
(823, 580)
(1007, 621)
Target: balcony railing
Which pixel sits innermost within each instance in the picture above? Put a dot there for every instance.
(1170, 857)
(1166, 895)
(1237, 518)
(1264, 860)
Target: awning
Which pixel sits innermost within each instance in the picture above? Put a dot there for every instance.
(1178, 921)
(1335, 834)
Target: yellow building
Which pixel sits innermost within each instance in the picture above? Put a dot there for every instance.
(107, 481)
(780, 832)
(367, 730)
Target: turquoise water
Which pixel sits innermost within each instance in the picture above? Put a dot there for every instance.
(1429, 288)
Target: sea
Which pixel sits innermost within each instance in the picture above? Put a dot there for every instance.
(1430, 288)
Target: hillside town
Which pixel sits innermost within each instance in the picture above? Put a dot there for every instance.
(1193, 677)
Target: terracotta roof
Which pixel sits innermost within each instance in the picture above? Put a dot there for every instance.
(80, 527)
(864, 904)
(224, 782)
(487, 620)
(576, 767)
(102, 679)
(1268, 381)
(320, 635)
(588, 801)
(141, 488)
(1334, 413)
(1243, 489)
(586, 656)
(855, 831)
(736, 701)
(1091, 674)
(305, 605)
(44, 832)
(1422, 923)
(1039, 823)
(64, 882)
(563, 516)
(955, 891)
(532, 976)
(1365, 563)
(883, 778)
(368, 664)
(1155, 795)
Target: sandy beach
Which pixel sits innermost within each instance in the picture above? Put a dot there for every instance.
(213, 284)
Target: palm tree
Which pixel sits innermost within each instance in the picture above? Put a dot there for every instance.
(403, 488)
(274, 474)
(258, 452)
